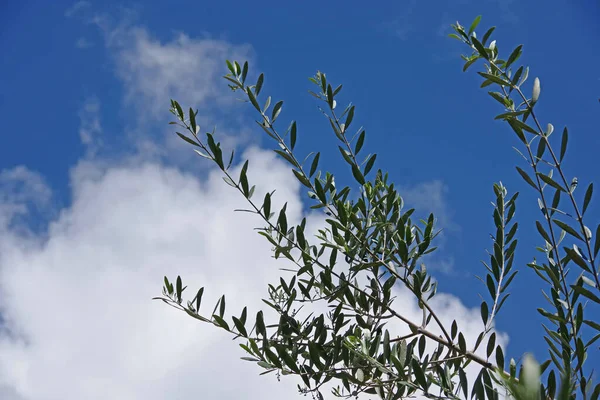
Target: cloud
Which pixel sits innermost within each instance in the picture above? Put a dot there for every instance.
(90, 129)
(401, 26)
(83, 43)
(77, 8)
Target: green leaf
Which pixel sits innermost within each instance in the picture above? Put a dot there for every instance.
(221, 322)
(259, 84)
(499, 357)
(359, 142)
(357, 174)
(584, 292)
(370, 163)
(474, 24)
(577, 259)
(464, 385)
(484, 312)
(542, 231)
(230, 67)
(491, 344)
(252, 98)
(455, 36)
(187, 139)
(303, 180)
(567, 229)
(314, 164)
(350, 117)
(494, 78)
(276, 111)
(526, 178)
(517, 129)
(419, 375)
(563, 143)
(486, 37)
(293, 135)
(587, 197)
(480, 49)
(514, 56)
(551, 182)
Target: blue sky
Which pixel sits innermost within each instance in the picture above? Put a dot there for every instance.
(86, 90)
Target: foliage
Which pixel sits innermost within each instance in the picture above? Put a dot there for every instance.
(354, 346)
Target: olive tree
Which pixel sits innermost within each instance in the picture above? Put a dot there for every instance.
(370, 246)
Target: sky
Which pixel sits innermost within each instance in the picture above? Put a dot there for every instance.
(99, 199)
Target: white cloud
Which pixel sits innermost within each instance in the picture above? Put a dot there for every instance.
(90, 128)
(77, 7)
(83, 43)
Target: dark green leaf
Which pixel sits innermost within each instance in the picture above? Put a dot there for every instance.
(486, 37)
(526, 177)
(567, 229)
(494, 78)
(187, 139)
(370, 163)
(587, 197)
(252, 98)
(359, 142)
(551, 182)
(276, 110)
(314, 165)
(584, 292)
(357, 174)
(293, 135)
(542, 231)
(259, 84)
(563, 143)
(474, 24)
(514, 56)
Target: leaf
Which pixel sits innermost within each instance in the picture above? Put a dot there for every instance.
(293, 135)
(587, 197)
(499, 357)
(567, 229)
(276, 110)
(350, 117)
(370, 163)
(563, 143)
(491, 344)
(187, 139)
(359, 142)
(484, 312)
(573, 255)
(357, 174)
(551, 182)
(221, 322)
(252, 98)
(463, 382)
(484, 41)
(419, 375)
(542, 231)
(314, 164)
(514, 56)
(494, 78)
(259, 84)
(526, 177)
(584, 292)
(474, 24)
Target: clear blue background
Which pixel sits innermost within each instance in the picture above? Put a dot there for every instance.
(425, 118)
